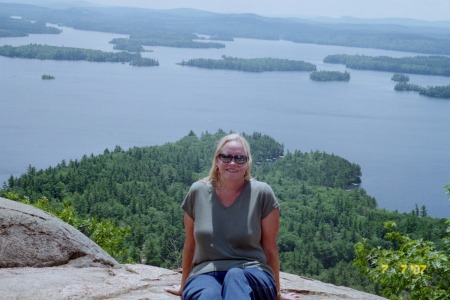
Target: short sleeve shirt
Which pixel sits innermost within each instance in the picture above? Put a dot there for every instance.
(227, 237)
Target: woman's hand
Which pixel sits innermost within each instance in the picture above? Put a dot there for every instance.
(175, 290)
(288, 296)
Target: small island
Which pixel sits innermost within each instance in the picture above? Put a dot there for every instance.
(250, 65)
(329, 76)
(425, 65)
(399, 77)
(47, 77)
(44, 52)
(442, 92)
(430, 91)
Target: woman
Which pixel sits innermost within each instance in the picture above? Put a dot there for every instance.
(231, 223)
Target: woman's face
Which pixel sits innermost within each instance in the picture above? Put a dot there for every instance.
(232, 170)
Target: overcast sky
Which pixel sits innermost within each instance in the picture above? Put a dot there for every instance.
(430, 10)
(415, 9)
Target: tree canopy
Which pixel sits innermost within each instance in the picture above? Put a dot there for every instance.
(329, 76)
(250, 65)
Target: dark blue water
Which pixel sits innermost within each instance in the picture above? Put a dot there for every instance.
(400, 140)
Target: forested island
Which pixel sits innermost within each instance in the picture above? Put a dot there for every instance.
(430, 91)
(34, 51)
(135, 194)
(424, 65)
(47, 77)
(399, 77)
(250, 65)
(329, 76)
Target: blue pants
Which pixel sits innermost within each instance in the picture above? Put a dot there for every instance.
(234, 284)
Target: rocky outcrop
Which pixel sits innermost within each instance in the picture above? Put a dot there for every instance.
(42, 257)
(134, 282)
(30, 237)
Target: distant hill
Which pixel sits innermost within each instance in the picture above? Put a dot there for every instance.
(379, 21)
(179, 27)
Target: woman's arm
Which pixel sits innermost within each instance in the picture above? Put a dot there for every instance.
(270, 226)
(188, 254)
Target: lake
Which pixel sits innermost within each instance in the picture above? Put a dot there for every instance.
(400, 140)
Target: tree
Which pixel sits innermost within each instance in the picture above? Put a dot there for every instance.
(399, 77)
(329, 76)
(408, 269)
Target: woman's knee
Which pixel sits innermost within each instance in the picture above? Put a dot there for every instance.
(211, 293)
(202, 287)
(235, 274)
(204, 293)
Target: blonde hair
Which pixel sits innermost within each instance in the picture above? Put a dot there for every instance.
(213, 175)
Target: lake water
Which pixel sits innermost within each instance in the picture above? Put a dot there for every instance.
(400, 140)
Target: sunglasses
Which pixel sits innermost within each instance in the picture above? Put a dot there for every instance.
(227, 158)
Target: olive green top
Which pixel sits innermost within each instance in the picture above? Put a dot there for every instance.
(228, 237)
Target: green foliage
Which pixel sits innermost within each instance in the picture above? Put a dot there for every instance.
(108, 236)
(399, 77)
(408, 269)
(264, 147)
(69, 215)
(144, 62)
(409, 87)
(250, 65)
(437, 91)
(313, 168)
(329, 76)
